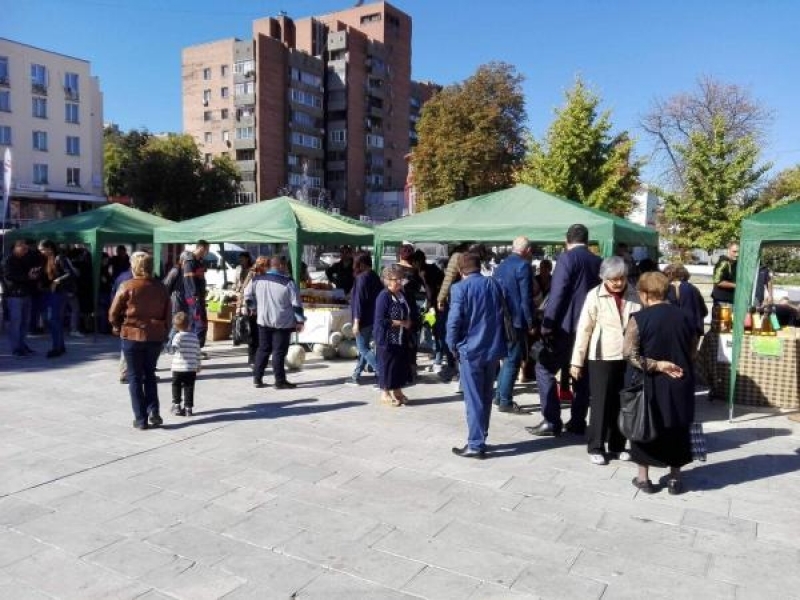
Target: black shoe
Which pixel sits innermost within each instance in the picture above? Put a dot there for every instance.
(189, 411)
(285, 385)
(467, 452)
(513, 408)
(258, 384)
(575, 428)
(177, 410)
(645, 486)
(544, 429)
(674, 486)
(156, 420)
(140, 424)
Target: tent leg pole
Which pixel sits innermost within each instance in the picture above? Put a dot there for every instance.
(730, 413)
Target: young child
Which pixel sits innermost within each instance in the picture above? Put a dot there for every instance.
(185, 347)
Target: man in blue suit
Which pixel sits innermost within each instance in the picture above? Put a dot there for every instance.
(515, 276)
(577, 271)
(476, 335)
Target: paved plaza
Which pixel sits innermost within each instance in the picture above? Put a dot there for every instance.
(319, 492)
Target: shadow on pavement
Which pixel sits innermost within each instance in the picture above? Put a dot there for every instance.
(728, 439)
(715, 476)
(264, 410)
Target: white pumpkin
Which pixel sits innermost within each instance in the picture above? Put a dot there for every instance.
(335, 339)
(325, 351)
(295, 357)
(348, 349)
(347, 331)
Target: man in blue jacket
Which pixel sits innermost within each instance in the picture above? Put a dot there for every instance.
(515, 277)
(577, 271)
(366, 288)
(476, 335)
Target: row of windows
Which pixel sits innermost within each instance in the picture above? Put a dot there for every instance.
(40, 76)
(39, 107)
(224, 92)
(303, 139)
(305, 77)
(223, 71)
(306, 98)
(41, 175)
(300, 180)
(40, 141)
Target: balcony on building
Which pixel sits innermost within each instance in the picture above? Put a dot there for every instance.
(39, 89)
(71, 94)
(244, 99)
(244, 144)
(246, 166)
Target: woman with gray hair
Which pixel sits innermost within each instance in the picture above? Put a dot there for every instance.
(140, 314)
(392, 327)
(599, 338)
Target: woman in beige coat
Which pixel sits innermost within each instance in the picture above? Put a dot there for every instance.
(600, 336)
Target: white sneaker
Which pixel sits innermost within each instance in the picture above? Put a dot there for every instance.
(598, 459)
(624, 456)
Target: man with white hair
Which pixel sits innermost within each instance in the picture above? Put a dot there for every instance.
(515, 276)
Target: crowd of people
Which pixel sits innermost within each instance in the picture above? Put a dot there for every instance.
(588, 328)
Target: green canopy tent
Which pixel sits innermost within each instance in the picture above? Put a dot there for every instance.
(776, 226)
(109, 224)
(278, 221)
(521, 210)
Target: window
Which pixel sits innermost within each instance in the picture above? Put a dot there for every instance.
(5, 135)
(298, 180)
(207, 158)
(306, 77)
(39, 173)
(226, 136)
(248, 176)
(244, 67)
(206, 97)
(292, 160)
(5, 101)
(207, 73)
(39, 107)
(71, 85)
(245, 133)
(309, 141)
(39, 76)
(71, 112)
(245, 112)
(224, 113)
(246, 154)
(306, 98)
(242, 89)
(373, 18)
(224, 92)
(223, 70)
(376, 141)
(207, 115)
(4, 75)
(40, 141)
(338, 135)
(207, 137)
(73, 177)
(73, 145)
(302, 118)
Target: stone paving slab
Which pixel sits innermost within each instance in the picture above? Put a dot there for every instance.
(320, 492)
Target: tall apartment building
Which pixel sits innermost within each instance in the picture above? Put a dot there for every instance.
(51, 116)
(322, 108)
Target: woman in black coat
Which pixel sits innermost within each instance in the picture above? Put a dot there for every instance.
(661, 340)
(392, 327)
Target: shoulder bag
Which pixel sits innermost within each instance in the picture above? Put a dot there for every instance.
(508, 322)
(636, 420)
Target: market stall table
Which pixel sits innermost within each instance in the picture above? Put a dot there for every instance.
(325, 311)
(768, 368)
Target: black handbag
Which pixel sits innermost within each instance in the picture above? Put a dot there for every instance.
(636, 420)
(241, 330)
(508, 321)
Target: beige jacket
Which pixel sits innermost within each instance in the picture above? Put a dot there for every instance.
(601, 327)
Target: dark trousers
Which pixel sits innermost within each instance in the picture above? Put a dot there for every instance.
(54, 311)
(141, 359)
(552, 358)
(606, 379)
(275, 342)
(252, 344)
(183, 380)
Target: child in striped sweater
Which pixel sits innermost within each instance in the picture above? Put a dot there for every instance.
(185, 348)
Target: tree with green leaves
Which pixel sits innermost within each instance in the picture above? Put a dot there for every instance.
(166, 175)
(470, 137)
(581, 160)
(721, 173)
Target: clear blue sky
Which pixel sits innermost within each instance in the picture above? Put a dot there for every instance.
(630, 51)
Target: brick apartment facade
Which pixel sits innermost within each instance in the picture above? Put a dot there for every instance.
(322, 108)
(51, 117)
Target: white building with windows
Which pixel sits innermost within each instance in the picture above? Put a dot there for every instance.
(51, 117)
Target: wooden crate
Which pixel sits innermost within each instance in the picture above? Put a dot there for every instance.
(218, 329)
